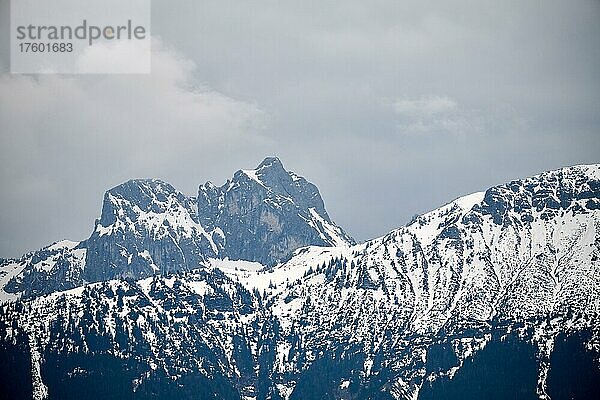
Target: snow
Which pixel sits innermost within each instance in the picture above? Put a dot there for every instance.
(253, 174)
(431, 228)
(7, 272)
(467, 202)
(145, 284)
(75, 292)
(253, 275)
(201, 288)
(45, 265)
(40, 390)
(169, 282)
(283, 350)
(79, 254)
(218, 231)
(104, 230)
(295, 177)
(368, 365)
(285, 390)
(146, 255)
(330, 233)
(248, 273)
(63, 244)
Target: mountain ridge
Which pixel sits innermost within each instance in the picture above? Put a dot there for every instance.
(501, 285)
(147, 226)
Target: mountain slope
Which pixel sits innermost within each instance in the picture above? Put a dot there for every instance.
(494, 295)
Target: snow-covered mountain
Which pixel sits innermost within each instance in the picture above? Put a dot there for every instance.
(147, 227)
(493, 295)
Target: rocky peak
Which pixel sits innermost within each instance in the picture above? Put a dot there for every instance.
(271, 162)
(139, 195)
(282, 185)
(267, 212)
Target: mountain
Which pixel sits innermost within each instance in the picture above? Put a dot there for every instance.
(267, 213)
(148, 227)
(493, 295)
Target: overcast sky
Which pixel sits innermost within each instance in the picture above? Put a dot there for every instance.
(390, 107)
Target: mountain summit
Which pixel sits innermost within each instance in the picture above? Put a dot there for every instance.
(148, 227)
(266, 213)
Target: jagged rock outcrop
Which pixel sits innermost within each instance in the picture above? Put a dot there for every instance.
(267, 213)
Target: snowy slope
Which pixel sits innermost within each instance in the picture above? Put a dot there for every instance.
(491, 283)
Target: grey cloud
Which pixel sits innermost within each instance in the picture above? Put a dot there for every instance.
(391, 108)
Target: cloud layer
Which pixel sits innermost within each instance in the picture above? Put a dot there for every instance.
(65, 139)
(391, 108)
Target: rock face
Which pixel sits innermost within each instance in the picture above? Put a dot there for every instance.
(147, 227)
(267, 213)
(493, 295)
